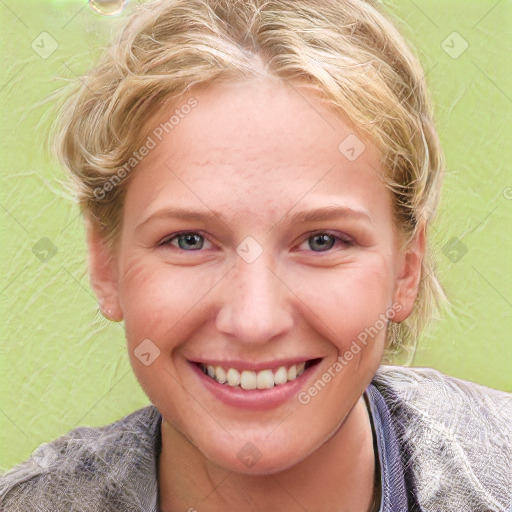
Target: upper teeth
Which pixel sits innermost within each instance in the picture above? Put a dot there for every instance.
(248, 379)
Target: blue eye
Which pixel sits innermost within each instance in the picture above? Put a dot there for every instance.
(187, 241)
(323, 241)
(192, 241)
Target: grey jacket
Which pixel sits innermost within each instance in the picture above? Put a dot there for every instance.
(454, 438)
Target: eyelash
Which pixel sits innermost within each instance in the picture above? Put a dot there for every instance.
(345, 240)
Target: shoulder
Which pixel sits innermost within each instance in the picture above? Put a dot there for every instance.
(456, 438)
(104, 468)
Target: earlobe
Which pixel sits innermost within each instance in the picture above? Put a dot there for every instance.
(409, 274)
(102, 272)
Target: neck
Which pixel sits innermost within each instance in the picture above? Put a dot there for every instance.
(339, 476)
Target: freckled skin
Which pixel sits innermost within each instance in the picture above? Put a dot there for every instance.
(256, 152)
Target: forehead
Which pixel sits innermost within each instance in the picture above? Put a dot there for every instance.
(275, 143)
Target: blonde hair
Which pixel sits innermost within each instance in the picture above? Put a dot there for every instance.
(346, 50)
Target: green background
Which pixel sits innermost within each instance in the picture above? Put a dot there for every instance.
(63, 365)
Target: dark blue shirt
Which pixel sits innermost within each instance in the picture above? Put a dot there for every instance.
(393, 483)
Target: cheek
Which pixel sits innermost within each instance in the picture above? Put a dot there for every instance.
(143, 298)
(347, 301)
(161, 304)
(158, 300)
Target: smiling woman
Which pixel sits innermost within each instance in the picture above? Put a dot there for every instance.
(267, 252)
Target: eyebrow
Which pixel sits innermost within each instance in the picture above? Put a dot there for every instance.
(330, 212)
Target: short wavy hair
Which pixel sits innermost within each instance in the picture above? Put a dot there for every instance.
(347, 51)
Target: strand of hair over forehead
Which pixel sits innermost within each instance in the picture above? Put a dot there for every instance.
(256, 25)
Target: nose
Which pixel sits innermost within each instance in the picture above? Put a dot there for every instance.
(255, 304)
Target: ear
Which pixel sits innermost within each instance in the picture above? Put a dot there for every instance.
(102, 272)
(409, 273)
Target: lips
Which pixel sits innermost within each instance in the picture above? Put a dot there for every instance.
(264, 378)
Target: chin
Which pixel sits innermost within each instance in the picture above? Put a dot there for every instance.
(258, 456)
(259, 467)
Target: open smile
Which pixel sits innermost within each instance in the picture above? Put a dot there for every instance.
(254, 386)
(261, 379)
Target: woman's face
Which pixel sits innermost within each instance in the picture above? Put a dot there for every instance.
(287, 256)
